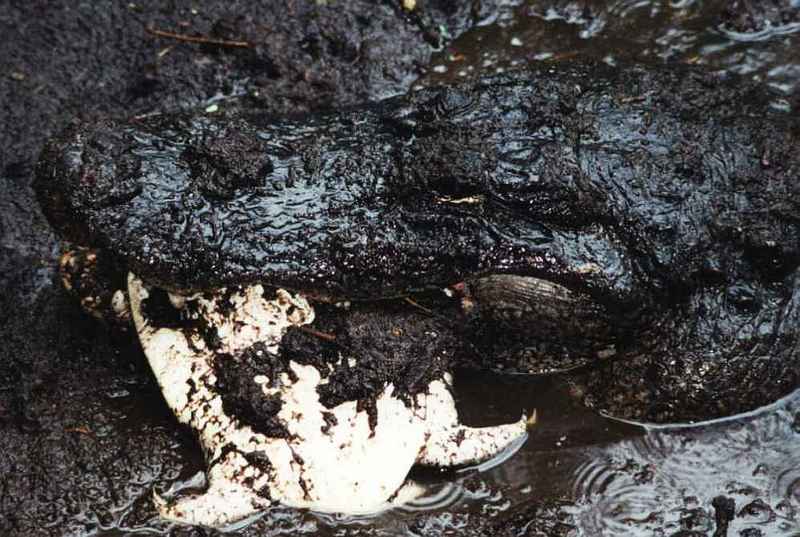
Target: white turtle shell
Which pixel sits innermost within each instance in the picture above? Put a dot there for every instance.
(346, 468)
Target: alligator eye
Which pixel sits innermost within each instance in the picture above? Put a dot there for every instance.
(228, 161)
(432, 107)
(540, 325)
(560, 308)
(451, 102)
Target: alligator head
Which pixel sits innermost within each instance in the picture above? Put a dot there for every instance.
(587, 212)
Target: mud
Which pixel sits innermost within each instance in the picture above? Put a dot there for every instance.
(243, 398)
(357, 351)
(389, 343)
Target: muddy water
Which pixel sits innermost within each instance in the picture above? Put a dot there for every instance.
(596, 476)
(615, 31)
(681, 478)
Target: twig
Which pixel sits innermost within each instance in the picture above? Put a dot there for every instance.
(166, 50)
(418, 305)
(81, 429)
(198, 39)
(317, 333)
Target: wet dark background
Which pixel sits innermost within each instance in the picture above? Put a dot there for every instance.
(84, 434)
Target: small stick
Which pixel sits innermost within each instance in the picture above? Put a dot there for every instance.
(198, 39)
(317, 333)
(166, 50)
(82, 430)
(418, 305)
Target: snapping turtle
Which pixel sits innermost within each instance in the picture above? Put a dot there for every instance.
(641, 219)
(282, 422)
(301, 403)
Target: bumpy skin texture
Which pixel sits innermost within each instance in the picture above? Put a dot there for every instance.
(594, 178)
(665, 198)
(748, 16)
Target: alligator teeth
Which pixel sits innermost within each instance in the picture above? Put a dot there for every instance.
(331, 459)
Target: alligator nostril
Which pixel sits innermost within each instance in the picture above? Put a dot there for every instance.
(743, 298)
(104, 141)
(110, 173)
(227, 162)
(452, 101)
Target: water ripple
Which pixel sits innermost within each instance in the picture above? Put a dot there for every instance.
(767, 34)
(439, 496)
(673, 477)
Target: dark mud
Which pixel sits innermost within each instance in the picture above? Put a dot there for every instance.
(698, 32)
(85, 432)
(61, 377)
(357, 351)
(389, 343)
(242, 397)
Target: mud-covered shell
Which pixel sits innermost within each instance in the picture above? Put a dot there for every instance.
(348, 457)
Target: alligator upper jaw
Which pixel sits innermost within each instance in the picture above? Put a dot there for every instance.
(576, 164)
(336, 203)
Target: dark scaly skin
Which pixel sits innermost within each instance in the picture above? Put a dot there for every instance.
(571, 165)
(664, 200)
(750, 16)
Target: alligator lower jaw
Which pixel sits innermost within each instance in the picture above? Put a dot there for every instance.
(501, 321)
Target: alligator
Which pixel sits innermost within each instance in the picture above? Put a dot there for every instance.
(638, 224)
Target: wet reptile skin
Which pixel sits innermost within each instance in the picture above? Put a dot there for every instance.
(664, 199)
(610, 181)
